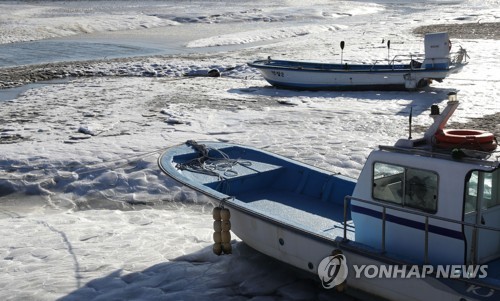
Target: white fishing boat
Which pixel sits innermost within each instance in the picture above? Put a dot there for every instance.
(402, 72)
(422, 221)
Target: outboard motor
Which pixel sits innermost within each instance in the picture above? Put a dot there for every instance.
(437, 51)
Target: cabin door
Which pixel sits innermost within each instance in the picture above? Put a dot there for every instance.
(482, 207)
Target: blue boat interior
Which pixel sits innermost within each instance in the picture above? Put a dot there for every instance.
(289, 192)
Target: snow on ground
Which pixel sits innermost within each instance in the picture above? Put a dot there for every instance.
(26, 22)
(85, 213)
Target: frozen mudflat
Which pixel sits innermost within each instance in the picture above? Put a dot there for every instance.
(86, 214)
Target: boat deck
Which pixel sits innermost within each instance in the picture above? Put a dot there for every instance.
(306, 213)
(290, 193)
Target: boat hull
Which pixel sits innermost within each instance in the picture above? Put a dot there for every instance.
(316, 76)
(305, 251)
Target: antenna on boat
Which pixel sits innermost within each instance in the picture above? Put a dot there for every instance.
(411, 114)
(342, 44)
(388, 49)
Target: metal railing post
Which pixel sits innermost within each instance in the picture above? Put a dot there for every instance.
(383, 229)
(345, 217)
(426, 251)
(473, 250)
(475, 233)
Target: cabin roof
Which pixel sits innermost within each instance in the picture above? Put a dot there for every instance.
(484, 160)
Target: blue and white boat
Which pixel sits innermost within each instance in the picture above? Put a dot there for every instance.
(422, 221)
(402, 72)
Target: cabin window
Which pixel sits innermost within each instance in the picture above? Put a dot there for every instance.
(409, 187)
(485, 185)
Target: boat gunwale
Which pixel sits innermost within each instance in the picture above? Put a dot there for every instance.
(339, 68)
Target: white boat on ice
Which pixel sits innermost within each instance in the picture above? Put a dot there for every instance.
(402, 72)
(422, 221)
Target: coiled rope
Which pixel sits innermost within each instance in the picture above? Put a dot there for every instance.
(220, 166)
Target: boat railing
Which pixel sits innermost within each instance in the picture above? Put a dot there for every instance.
(484, 158)
(458, 57)
(400, 58)
(425, 215)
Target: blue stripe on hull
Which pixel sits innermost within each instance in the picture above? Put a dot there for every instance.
(408, 223)
(296, 86)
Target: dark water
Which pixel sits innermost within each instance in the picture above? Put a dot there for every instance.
(47, 51)
(197, 19)
(13, 93)
(119, 44)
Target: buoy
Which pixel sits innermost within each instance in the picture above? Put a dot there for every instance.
(222, 226)
(216, 213)
(213, 73)
(217, 226)
(225, 225)
(225, 236)
(225, 214)
(217, 249)
(227, 248)
(467, 139)
(217, 237)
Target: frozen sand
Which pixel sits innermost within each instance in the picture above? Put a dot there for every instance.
(57, 241)
(90, 216)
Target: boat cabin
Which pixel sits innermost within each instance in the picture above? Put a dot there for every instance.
(427, 204)
(437, 51)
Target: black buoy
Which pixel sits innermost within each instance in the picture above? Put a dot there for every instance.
(213, 73)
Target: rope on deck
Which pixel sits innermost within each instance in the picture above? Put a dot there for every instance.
(220, 166)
